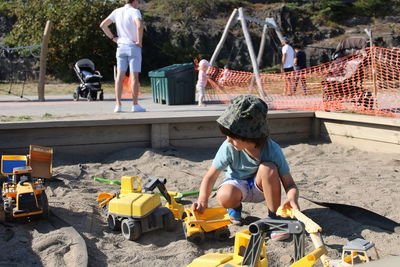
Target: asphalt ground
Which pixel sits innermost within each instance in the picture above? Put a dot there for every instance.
(62, 107)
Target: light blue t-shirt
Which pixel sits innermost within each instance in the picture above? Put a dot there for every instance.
(239, 165)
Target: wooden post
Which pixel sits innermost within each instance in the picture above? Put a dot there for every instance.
(43, 60)
(373, 67)
(223, 37)
(252, 54)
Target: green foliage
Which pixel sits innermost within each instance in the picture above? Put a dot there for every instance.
(75, 33)
(185, 11)
(374, 8)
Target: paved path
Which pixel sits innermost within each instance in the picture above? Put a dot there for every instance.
(63, 107)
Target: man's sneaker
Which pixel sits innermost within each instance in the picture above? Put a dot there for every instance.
(118, 108)
(138, 108)
(235, 215)
(279, 236)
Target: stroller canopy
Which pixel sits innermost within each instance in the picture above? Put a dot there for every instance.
(85, 64)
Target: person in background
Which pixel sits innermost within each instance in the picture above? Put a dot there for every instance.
(255, 165)
(202, 81)
(300, 62)
(287, 63)
(128, 21)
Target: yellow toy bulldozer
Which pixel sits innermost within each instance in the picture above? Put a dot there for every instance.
(135, 212)
(24, 196)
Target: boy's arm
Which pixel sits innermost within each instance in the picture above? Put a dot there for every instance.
(292, 193)
(206, 186)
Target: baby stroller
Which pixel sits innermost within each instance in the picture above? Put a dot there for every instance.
(90, 79)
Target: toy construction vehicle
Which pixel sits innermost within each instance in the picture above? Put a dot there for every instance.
(250, 248)
(213, 221)
(354, 252)
(136, 212)
(24, 196)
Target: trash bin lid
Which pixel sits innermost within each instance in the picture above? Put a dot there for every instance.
(170, 70)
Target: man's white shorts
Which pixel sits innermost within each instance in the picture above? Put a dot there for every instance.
(129, 55)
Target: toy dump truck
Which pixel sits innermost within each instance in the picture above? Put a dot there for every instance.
(213, 222)
(24, 196)
(135, 212)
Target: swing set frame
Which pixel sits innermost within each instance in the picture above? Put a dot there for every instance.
(238, 14)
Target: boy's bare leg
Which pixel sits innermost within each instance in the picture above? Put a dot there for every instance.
(229, 196)
(269, 182)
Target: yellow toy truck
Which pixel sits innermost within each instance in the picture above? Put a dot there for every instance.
(213, 222)
(135, 212)
(24, 196)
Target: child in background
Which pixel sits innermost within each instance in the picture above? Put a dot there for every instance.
(202, 81)
(255, 165)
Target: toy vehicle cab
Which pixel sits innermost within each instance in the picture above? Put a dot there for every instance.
(358, 251)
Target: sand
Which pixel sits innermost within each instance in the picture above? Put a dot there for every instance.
(323, 172)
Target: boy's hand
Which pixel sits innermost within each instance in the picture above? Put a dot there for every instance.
(292, 203)
(199, 206)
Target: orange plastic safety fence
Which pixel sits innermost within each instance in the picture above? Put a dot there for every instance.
(366, 82)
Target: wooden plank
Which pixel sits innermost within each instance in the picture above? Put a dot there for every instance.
(358, 118)
(290, 125)
(293, 137)
(159, 135)
(194, 130)
(74, 136)
(384, 134)
(366, 145)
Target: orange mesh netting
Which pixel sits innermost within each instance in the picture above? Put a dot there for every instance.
(366, 82)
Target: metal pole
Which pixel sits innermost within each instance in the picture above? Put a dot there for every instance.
(43, 60)
(252, 54)
(223, 37)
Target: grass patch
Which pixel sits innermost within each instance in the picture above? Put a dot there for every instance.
(14, 118)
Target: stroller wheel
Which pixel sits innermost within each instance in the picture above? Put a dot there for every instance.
(75, 95)
(101, 96)
(92, 96)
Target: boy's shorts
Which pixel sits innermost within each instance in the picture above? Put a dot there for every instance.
(250, 191)
(129, 55)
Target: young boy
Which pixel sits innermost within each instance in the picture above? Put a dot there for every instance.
(202, 81)
(255, 165)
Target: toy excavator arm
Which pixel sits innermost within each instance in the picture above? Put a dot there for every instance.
(104, 198)
(310, 259)
(160, 184)
(310, 226)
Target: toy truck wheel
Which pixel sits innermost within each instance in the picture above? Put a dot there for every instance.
(222, 234)
(196, 238)
(169, 222)
(130, 229)
(75, 95)
(113, 223)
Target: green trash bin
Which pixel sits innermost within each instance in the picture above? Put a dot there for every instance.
(174, 84)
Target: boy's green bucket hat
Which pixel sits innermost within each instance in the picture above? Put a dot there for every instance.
(246, 116)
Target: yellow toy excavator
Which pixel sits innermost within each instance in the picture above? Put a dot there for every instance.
(135, 210)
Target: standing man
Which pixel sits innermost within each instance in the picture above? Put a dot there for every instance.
(300, 62)
(128, 21)
(287, 63)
